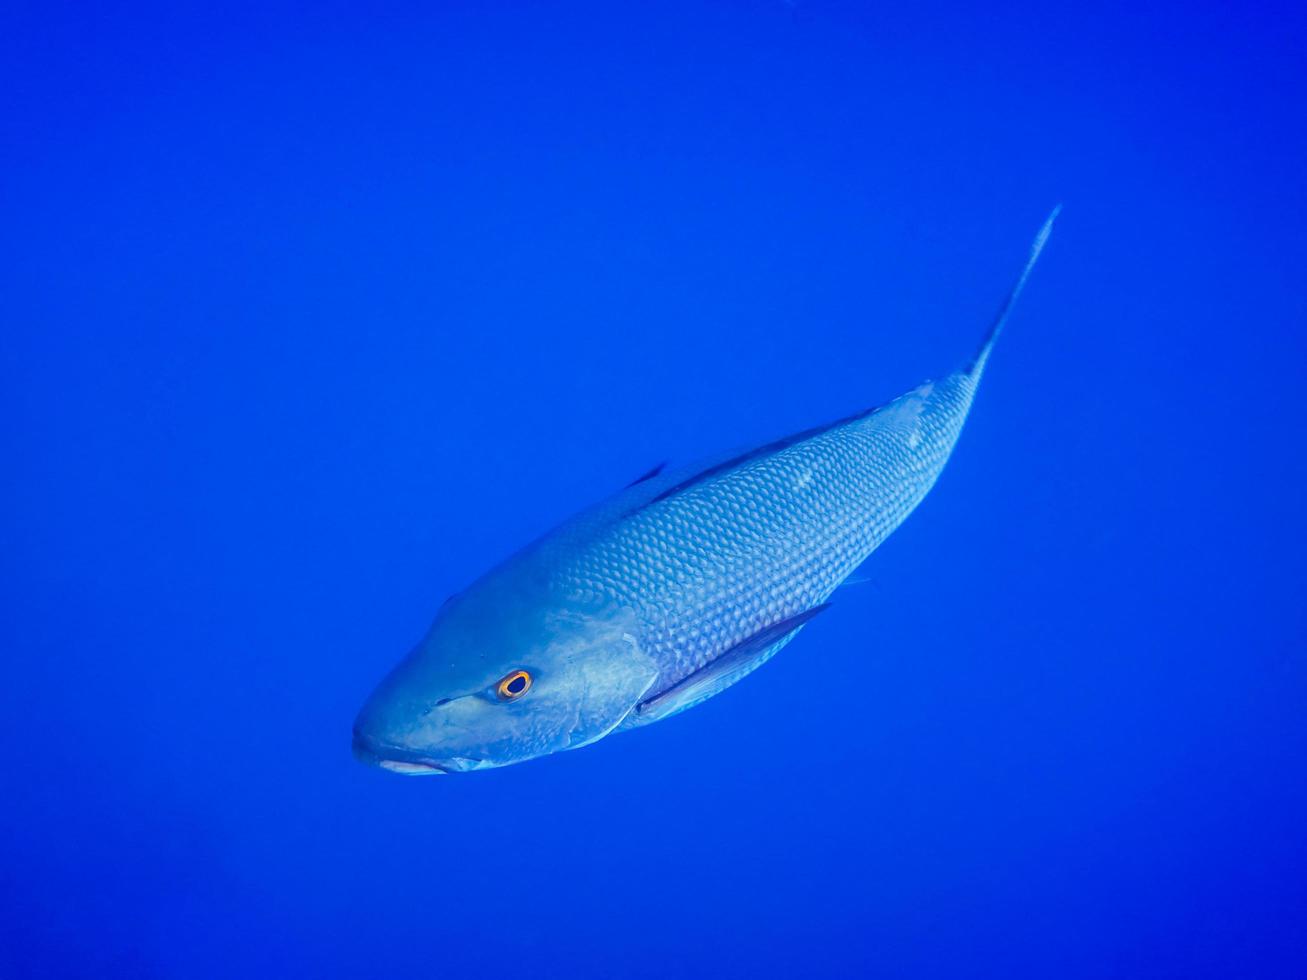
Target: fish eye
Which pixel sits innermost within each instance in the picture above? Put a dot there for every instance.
(513, 685)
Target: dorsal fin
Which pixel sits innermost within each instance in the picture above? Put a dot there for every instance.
(764, 450)
(647, 476)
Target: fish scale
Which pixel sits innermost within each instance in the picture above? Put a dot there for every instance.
(724, 558)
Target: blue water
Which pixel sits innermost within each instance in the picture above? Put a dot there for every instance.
(312, 315)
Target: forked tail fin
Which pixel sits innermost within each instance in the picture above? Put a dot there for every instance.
(982, 354)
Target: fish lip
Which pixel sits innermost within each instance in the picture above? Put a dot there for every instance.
(411, 768)
(395, 758)
(374, 752)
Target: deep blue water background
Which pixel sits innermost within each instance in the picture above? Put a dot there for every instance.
(311, 316)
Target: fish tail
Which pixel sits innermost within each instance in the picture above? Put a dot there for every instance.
(977, 364)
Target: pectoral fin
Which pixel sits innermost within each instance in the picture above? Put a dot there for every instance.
(724, 670)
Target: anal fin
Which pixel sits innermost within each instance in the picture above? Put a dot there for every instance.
(724, 670)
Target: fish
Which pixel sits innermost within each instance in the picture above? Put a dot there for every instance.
(670, 591)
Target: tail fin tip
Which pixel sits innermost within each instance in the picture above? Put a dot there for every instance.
(1036, 247)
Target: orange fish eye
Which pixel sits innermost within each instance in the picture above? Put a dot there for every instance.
(514, 685)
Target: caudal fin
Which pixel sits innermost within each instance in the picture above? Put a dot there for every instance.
(982, 354)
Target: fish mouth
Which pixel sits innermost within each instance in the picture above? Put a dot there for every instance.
(394, 758)
(411, 768)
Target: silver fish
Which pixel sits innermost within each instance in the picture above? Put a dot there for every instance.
(666, 593)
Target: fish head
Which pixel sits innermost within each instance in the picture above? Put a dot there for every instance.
(499, 682)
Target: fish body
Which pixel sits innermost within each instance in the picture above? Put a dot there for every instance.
(668, 592)
(713, 563)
